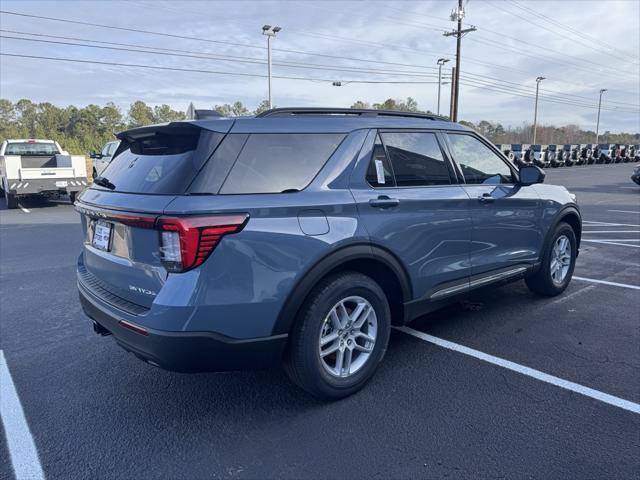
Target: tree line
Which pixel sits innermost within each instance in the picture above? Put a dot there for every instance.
(82, 129)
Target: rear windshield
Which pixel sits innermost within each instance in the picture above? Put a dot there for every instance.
(267, 163)
(32, 149)
(163, 163)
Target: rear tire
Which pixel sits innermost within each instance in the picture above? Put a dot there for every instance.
(323, 325)
(11, 200)
(72, 197)
(558, 263)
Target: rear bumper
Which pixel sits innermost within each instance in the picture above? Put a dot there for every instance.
(40, 185)
(186, 351)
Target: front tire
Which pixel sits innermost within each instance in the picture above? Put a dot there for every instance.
(558, 263)
(340, 337)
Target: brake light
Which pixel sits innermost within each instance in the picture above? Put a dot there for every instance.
(186, 242)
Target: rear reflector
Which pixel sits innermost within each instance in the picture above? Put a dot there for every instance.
(134, 327)
(186, 242)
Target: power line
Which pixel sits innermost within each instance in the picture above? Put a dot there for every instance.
(562, 63)
(576, 32)
(513, 85)
(184, 37)
(198, 70)
(225, 58)
(510, 69)
(509, 83)
(526, 94)
(544, 27)
(472, 83)
(292, 64)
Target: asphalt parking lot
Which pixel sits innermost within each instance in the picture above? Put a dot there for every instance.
(95, 411)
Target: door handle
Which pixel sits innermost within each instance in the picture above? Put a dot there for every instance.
(486, 198)
(384, 202)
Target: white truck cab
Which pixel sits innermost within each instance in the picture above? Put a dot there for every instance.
(39, 167)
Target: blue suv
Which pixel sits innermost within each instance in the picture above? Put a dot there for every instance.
(302, 235)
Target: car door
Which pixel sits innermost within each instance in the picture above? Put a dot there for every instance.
(411, 205)
(507, 230)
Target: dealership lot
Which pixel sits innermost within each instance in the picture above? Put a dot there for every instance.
(94, 411)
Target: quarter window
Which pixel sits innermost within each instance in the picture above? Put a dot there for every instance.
(274, 163)
(479, 164)
(416, 159)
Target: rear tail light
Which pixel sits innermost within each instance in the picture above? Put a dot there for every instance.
(186, 242)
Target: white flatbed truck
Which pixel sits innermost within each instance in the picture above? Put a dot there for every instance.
(39, 167)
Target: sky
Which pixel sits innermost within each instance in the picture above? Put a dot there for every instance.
(376, 49)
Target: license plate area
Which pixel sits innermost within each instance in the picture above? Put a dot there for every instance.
(102, 232)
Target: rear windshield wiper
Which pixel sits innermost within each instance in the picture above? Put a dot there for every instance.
(104, 182)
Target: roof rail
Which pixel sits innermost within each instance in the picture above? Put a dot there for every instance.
(362, 112)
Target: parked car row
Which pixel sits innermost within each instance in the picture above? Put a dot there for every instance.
(567, 155)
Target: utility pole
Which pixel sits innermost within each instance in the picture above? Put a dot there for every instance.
(269, 31)
(598, 122)
(458, 15)
(441, 62)
(453, 92)
(535, 111)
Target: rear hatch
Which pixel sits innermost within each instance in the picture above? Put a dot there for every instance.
(120, 212)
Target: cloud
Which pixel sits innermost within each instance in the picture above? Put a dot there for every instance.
(515, 42)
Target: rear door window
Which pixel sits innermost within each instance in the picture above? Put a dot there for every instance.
(269, 163)
(162, 163)
(416, 159)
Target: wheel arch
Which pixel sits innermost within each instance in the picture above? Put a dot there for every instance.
(373, 261)
(570, 215)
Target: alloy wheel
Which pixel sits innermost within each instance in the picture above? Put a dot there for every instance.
(348, 336)
(560, 259)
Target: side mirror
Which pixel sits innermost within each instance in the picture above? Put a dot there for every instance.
(92, 154)
(530, 175)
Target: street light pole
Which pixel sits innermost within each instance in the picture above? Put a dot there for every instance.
(598, 122)
(269, 31)
(535, 112)
(441, 62)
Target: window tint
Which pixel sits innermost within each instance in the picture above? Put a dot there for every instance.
(479, 164)
(416, 159)
(32, 149)
(164, 163)
(379, 172)
(273, 163)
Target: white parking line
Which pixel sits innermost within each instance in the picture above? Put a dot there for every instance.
(611, 231)
(624, 211)
(25, 210)
(606, 242)
(530, 372)
(22, 449)
(604, 282)
(607, 224)
(616, 239)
